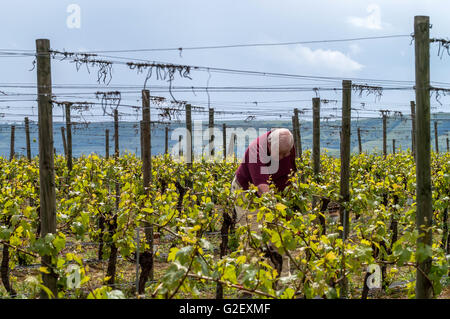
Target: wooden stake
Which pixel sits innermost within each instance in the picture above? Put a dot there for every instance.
(294, 133)
(147, 177)
(46, 159)
(211, 132)
(146, 138)
(189, 150)
(63, 137)
(69, 136)
(316, 154)
(11, 151)
(112, 262)
(116, 133)
(27, 138)
(345, 154)
(393, 146)
(424, 210)
(316, 136)
(359, 141)
(224, 141)
(298, 146)
(232, 146)
(345, 174)
(166, 140)
(107, 144)
(189, 158)
(436, 137)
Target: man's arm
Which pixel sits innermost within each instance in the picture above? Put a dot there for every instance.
(262, 188)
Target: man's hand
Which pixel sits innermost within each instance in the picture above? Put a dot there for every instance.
(263, 188)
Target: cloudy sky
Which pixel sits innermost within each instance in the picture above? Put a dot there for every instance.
(153, 24)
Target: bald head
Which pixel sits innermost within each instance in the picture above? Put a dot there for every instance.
(282, 140)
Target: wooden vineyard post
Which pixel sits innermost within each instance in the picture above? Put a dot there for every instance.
(436, 137)
(112, 223)
(189, 151)
(116, 133)
(413, 125)
(107, 144)
(150, 145)
(146, 138)
(63, 137)
(180, 147)
(424, 211)
(294, 133)
(69, 136)
(102, 219)
(211, 133)
(345, 155)
(28, 147)
(224, 141)
(226, 223)
(393, 146)
(27, 138)
(11, 151)
(359, 141)
(46, 160)
(384, 134)
(166, 140)
(316, 136)
(298, 146)
(232, 145)
(345, 174)
(448, 150)
(147, 257)
(316, 154)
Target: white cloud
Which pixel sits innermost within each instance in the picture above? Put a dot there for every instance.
(319, 59)
(372, 21)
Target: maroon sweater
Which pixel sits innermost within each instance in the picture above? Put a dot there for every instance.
(250, 171)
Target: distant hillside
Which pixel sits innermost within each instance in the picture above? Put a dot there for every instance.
(371, 133)
(90, 139)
